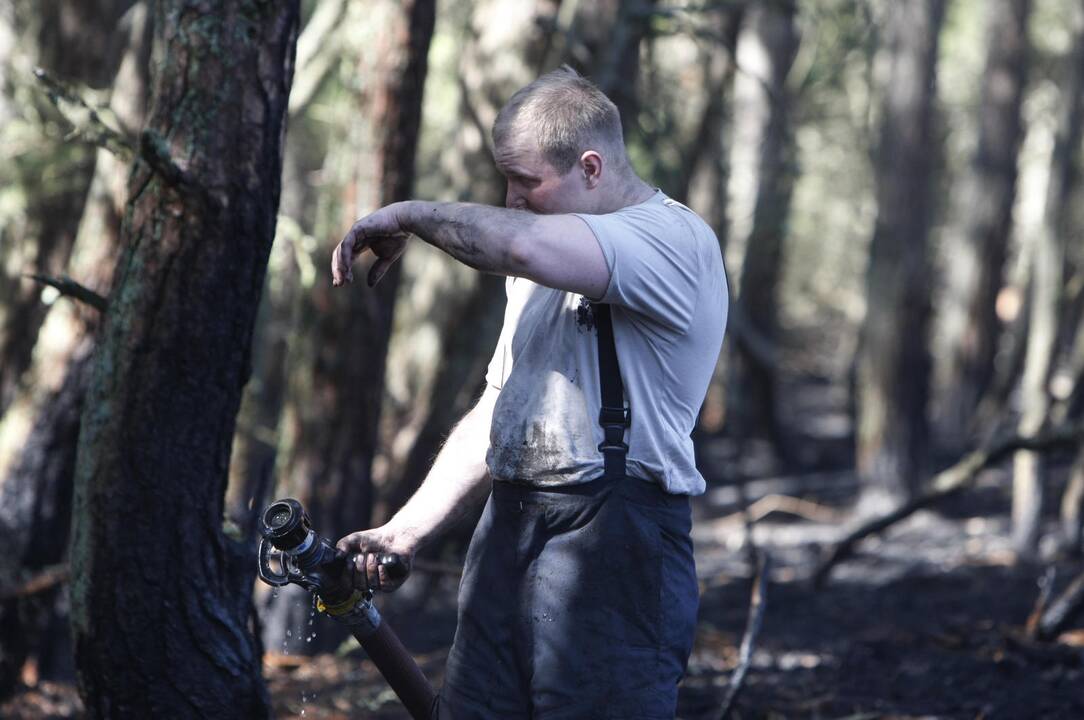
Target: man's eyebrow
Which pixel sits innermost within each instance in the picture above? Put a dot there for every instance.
(509, 167)
(519, 172)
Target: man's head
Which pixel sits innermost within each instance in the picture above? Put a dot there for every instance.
(558, 143)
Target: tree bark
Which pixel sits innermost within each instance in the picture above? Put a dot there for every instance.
(893, 362)
(766, 50)
(172, 359)
(978, 258)
(1047, 288)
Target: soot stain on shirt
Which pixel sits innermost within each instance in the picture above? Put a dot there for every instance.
(585, 316)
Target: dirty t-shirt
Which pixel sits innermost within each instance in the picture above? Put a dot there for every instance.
(668, 296)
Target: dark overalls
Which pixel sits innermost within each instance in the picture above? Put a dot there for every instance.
(576, 602)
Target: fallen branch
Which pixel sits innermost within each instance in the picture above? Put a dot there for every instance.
(949, 482)
(83, 118)
(72, 289)
(49, 577)
(757, 605)
(774, 502)
(1063, 610)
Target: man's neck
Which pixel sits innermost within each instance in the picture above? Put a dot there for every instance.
(630, 191)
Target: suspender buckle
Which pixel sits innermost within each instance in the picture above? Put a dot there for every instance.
(615, 417)
(614, 421)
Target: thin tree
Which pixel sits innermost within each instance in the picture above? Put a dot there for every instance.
(766, 49)
(893, 358)
(338, 356)
(496, 60)
(986, 202)
(1047, 288)
(160, 595)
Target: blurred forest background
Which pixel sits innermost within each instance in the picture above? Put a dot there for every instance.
(896, 417)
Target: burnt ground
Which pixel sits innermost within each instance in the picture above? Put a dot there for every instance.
(924, 622)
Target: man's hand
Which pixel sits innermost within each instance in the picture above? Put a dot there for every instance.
(382, 233)
(367, 546)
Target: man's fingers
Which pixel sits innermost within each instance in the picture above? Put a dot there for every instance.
(342, 260)
(372, 571)
(340, 267)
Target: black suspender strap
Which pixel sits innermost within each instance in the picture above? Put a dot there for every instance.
(613, 416)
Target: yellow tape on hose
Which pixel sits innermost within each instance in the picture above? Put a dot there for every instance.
(340, 608)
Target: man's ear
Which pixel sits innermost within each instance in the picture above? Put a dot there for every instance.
(591, 166)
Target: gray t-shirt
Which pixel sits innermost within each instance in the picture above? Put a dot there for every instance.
(669, 303)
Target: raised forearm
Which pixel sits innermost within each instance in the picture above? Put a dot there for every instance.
(486, 238)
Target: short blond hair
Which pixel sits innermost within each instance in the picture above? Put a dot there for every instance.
(565, 114)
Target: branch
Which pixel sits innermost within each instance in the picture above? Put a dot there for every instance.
(757, 605)
(83, 118)
(49, 577)
(154, 149)
(947, 483)
(1062, 611)
(774, 502)
(72, 289)
(317, 50)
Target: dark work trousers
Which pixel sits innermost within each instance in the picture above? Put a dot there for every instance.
(576, 603)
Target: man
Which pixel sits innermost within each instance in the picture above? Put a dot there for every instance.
(579, 593)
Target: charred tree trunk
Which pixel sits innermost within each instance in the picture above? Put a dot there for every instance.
(978, 259)
(172, 359)
(452, 307)
(335, 400)
(1047, 287)
(611, 32)
(766, 49)
(893, 359)
(706, 184)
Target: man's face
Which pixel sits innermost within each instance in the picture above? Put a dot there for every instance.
(535, 185)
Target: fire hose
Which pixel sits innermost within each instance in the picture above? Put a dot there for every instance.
(311, 561)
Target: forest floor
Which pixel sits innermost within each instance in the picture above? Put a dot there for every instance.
(924, 622)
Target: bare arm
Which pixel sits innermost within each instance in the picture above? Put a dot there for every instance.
(558, 251)
(457, 482)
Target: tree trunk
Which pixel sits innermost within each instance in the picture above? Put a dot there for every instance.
(1047, 287)
(173, 356)
(337, 375)
(978, 258)
(612, 32)
(447, 331)
(705, 185)
(1072, 508)
(893, 361)
(766, 50)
